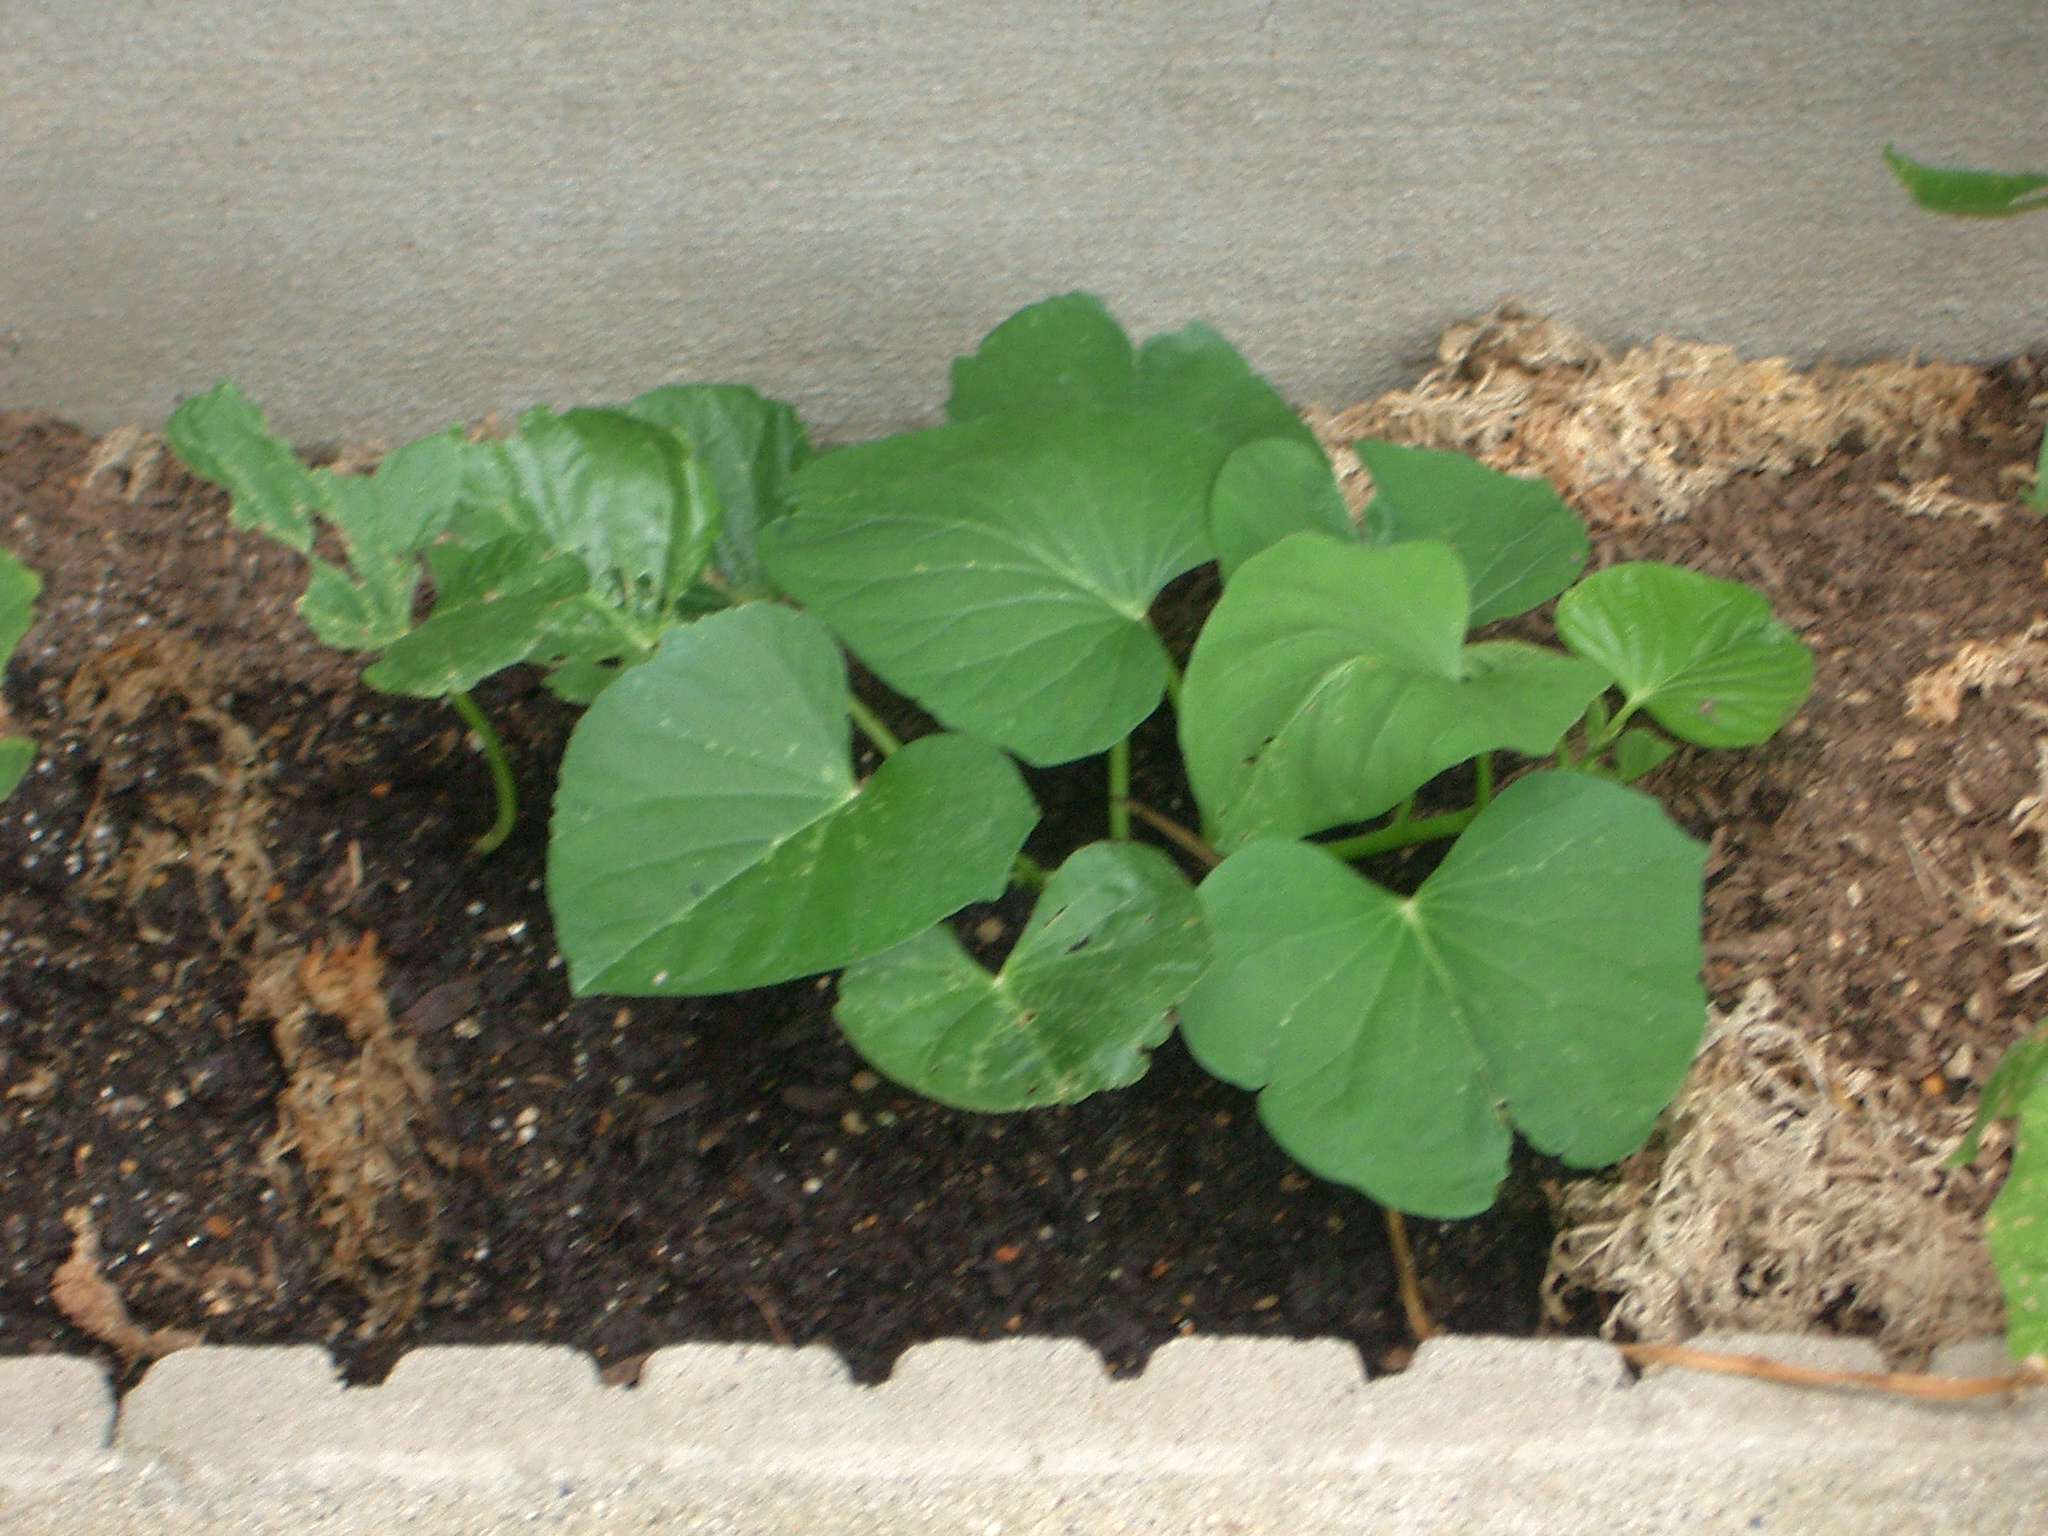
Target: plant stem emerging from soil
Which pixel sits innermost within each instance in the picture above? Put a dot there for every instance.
(1420, 1323)
(501, 771)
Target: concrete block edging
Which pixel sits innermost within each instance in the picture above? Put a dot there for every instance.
(1025, 1409)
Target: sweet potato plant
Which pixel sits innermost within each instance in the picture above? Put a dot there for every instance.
(18, 588)
(689, 570)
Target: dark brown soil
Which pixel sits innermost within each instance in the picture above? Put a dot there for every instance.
(622, 1175)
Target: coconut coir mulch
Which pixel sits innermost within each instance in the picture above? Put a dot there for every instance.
(280, 1060)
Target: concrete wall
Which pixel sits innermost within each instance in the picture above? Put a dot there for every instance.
(383, 214)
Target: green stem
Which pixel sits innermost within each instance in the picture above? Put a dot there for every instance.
(1120, 791)
(1402, 834)
(1482, 773)
(1027, 872)
(871, 726)
(501, 771)
(1173, 685)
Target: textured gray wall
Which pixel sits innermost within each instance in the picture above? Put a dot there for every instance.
(384, 214)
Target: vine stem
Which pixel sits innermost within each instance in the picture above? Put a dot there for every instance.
(1402, 834)
(501, 771)
(1420, 1323)
(1173, 685)
(1120, 791)
(871, 726)
(1482, 775)
(1175, 833)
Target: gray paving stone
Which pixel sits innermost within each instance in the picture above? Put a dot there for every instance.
(56, 1419)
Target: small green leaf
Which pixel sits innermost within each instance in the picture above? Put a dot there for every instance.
(1269, 489)
(1117, 938)
(1332, 681)
(16, 753)
(1971, 194)
(1520, 543)
(999, 572)
(2016, 1230)
(621, 493)
(709, 835)
(2038, 496)
(18, 588)
(222, 437)
(750, 445)
(1546, 976)
(1702, 655)
(494, 621)
(1061, 354)
(1069, 353)
(1638, 751)
(2018, 1072)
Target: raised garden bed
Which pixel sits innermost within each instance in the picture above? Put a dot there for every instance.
(215, 791)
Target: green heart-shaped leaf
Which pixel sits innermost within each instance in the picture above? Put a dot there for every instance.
(1545, 976)
(1068, 353)
(1702, 655)
(1269, 489)
(999, 572)
(1638, 751)
(1520, 543)
(384, 519)
(1117, 938)
(221, 436)
(1332, 681)
(709, 835)
(750, 445)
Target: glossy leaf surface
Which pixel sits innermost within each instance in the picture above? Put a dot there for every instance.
(749, 445)
(1000, 572)
(1269, 489)
(1332, 681)
(1520, 543)
(1545, 977)
(1116, 939)
(1703, 656)
(709, 834)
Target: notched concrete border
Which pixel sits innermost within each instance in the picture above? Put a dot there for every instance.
(1488, 1430)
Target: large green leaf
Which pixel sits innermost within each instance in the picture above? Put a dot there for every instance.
(1520, 543)
(18, 588)
(999, 572)
(221, 436)
(1972, 194)
(1117, 938)
(1546, 976)
(1332, 681)
(1069, 353)
(1702, 655)
(750, 445)
(1269, 489)
(709, 834)
(626, 496)
(1060, 354)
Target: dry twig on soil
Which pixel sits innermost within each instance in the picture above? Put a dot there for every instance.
(92, 1303)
